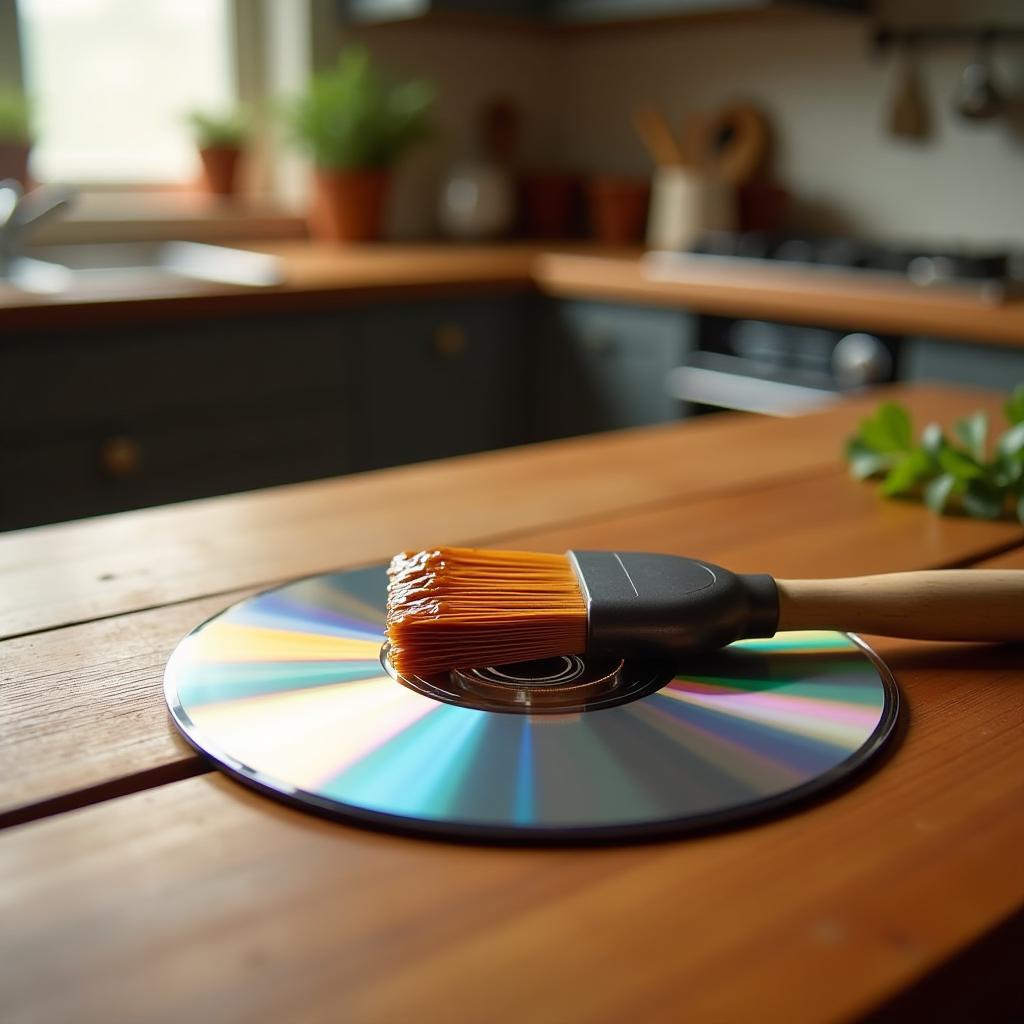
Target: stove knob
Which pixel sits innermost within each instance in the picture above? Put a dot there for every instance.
(861, 359)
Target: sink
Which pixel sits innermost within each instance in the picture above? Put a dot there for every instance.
(133, 269)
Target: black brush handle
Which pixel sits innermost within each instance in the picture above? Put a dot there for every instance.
(650, 605)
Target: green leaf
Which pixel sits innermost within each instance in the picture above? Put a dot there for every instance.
(959, 465)
(1014, 407)
(939, 469)
(864, 466)
(973, 431)
(889, 429)
(1011, 444)
(907, 473)
(220, 128)
(865, 462)
(1006, 472)
(938, 492)
(983, 500)
(15, 117)
(933, 440)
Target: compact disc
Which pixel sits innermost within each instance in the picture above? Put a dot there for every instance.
(289, 692)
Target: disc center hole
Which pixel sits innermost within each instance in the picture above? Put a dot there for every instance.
(565, 684)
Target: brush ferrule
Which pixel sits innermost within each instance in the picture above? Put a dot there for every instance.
(655, 605)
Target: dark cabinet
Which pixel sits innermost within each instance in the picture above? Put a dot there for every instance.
(105, 421)
(590, 11)
(601, 366)
(401, 10)
(579, 11)
(441, 379)
(569, 12)
(97, 422)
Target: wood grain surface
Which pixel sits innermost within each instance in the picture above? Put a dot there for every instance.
(82, 710)
(179, 897)
(56, 575)
(200, 900)
(320, 276)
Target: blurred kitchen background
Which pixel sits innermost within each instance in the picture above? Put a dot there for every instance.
(252, 242)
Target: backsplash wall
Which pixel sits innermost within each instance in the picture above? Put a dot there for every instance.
(828, 96)
(469, 67)
(826, 92)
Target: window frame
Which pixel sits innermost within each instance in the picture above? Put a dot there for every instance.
(245, 38)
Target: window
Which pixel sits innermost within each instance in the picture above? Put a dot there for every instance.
(111, 82)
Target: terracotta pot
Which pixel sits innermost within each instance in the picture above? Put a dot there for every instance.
(220, 167)
(348, 206)
(14, 161)
(549, 201)
(617, 209)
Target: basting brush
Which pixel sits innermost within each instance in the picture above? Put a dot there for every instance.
(467, 607)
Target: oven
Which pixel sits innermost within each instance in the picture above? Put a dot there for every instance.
(783, 369)
(778, 369)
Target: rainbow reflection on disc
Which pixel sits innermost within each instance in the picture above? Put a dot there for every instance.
(286, 691)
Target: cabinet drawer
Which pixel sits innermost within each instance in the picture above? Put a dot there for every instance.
(103, 470)
(50, 380)
(441, 379)
(604, 367)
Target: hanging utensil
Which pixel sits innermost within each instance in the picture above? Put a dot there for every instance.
(738, 136)
(656, 135)
(695, 145)
(909, 117)
(977, 97)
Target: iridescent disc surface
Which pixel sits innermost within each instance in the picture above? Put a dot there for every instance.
(286, 691)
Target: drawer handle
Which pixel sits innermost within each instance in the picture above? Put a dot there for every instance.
(450, 341)
(120, 457)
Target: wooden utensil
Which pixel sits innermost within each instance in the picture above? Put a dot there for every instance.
(695, 147)
(737, 137)
(909, 115)
(657, 137)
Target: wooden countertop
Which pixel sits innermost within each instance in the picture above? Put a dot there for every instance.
(324, 277)
(141, 886)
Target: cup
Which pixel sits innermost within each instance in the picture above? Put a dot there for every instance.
(686, 204)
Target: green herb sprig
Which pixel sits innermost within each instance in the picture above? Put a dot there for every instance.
(947, 473)
(214, 129)
(15, 117)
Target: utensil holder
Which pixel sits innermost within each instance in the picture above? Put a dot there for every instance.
(685, 204)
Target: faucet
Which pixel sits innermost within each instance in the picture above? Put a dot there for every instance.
(21, 213)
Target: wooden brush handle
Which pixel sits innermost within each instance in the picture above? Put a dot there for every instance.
(949, 604)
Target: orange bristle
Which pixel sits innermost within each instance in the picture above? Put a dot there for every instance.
(466, 607)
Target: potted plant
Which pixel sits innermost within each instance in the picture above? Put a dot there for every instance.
(220, 138)
(15, 135)
(356, 121)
